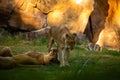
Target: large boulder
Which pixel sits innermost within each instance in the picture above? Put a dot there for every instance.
(28, 15)
(97, 20)
(21, 14)
(110, 35)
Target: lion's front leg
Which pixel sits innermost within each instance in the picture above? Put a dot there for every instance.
(61, 57)
(67, 53)
(50, 43)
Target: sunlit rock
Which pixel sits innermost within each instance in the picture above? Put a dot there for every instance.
(97, 20)
(31, 15)
(110, 35)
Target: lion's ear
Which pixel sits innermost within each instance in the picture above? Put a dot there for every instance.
(74, 34)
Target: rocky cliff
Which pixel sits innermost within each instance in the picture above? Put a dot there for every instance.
(98, 19)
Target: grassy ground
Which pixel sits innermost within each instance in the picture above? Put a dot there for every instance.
(84, 65)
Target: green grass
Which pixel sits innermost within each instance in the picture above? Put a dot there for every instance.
(84, 65)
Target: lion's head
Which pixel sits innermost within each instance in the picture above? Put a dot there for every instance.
(70, 40)
(54, 53)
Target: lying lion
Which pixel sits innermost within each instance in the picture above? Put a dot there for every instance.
(35, 57)
(30, 57)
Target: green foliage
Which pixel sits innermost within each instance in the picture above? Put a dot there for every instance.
(84, 65)
(9, 41)
(111, 52)
(38, 42)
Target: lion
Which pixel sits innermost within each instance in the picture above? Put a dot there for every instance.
(5, 52)
(65, 41)
(7, 62)
(30, 57)
(36, 58)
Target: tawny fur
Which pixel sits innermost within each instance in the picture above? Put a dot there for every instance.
(65, 41)
(7, 63)
(5, 52)
(35, 57)
(30, 57)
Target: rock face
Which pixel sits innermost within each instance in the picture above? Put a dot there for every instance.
(95, 18)
(21, 14)
(35, 14)
(110, 35)
(74, 13)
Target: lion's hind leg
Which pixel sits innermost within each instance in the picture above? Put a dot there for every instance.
(6, 52)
